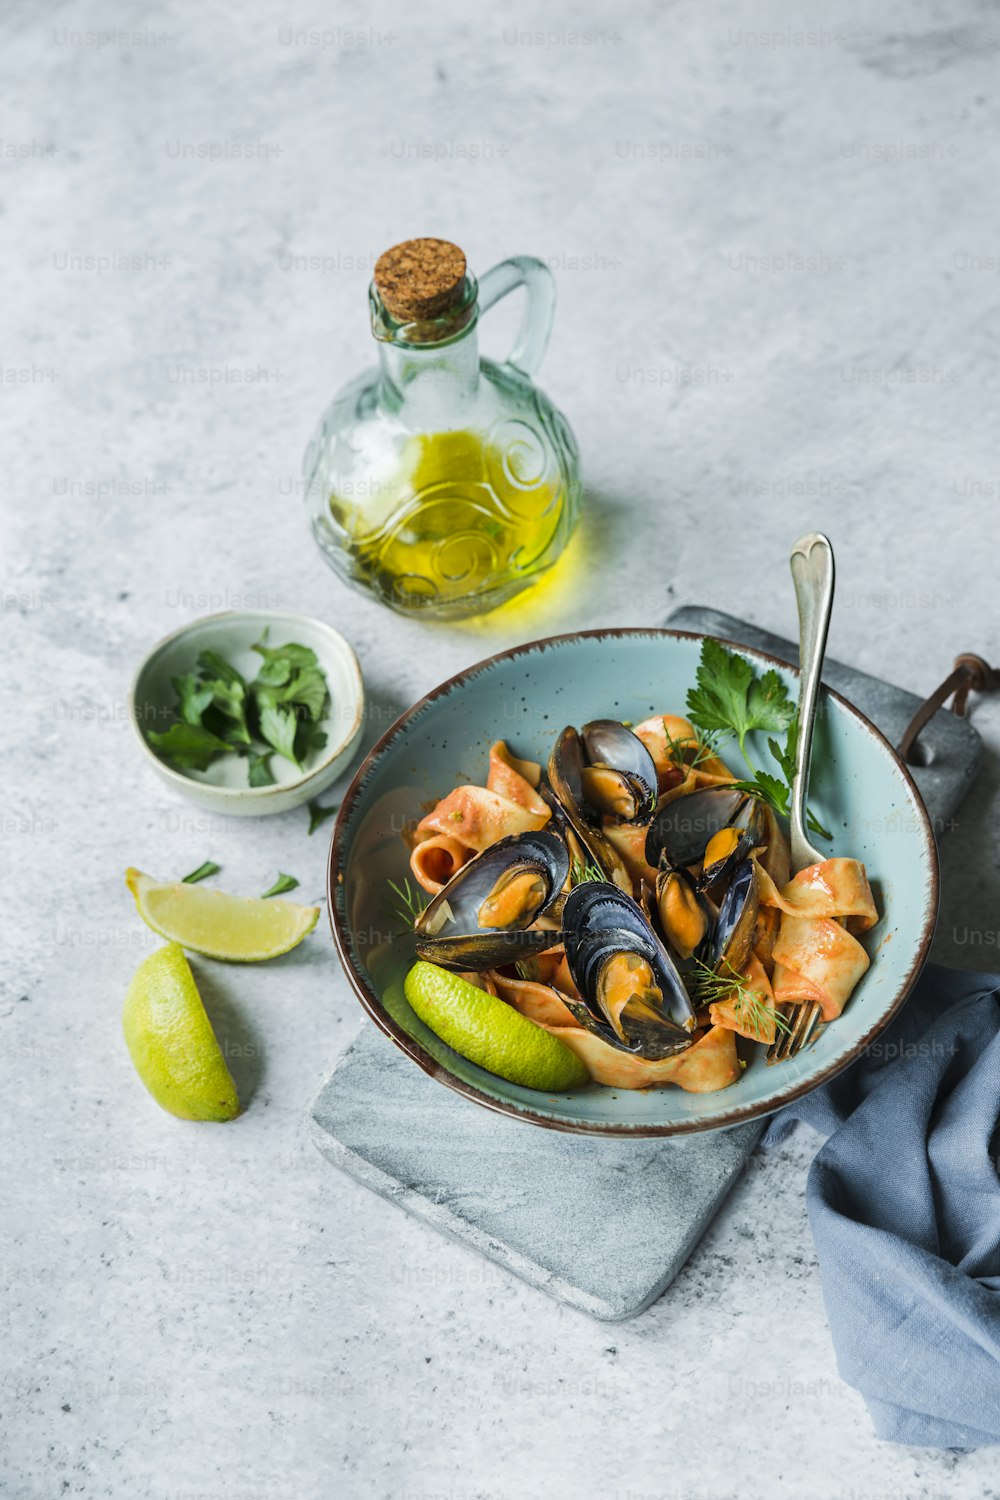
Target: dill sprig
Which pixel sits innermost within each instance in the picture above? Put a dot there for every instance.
(584, 870)
(408, 906)
(750, 1009)
(688, 752)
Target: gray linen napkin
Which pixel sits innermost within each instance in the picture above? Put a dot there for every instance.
(904, 1201)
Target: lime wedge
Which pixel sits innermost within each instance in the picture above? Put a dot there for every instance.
(172, 1043)
(491, 1033)
(240, 929)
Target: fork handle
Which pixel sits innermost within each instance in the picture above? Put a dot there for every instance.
(812, 568)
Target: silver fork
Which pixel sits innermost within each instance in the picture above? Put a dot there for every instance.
(812, 567)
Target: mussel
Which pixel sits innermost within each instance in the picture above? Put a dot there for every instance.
(604, 771)
(716, 827)
(686, 920)
(736, 923)
(482, 918)
(727, 849)
(632, 995)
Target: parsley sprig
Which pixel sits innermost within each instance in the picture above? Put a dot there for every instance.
(219, 712)
(731, 700)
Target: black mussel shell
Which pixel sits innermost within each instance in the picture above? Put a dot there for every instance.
(737, 920)
(604, 771)
(746, 832)
(587, 845)
(682, 828)
(462, 927)
(600, 924)
(612, 748)
(683, 914)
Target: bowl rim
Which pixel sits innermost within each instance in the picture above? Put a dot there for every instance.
(256, 793)
(722, 1119)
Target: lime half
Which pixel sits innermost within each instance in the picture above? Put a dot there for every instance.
(172, 1043)
(491, 1033)
(240, 929)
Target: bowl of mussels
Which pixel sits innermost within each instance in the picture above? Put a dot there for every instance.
(585, 840)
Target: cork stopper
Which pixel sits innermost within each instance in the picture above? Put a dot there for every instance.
(421, 279)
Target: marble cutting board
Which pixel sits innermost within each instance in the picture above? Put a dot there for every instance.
(603, 1225)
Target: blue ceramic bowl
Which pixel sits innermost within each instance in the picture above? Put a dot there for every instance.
(859, 788)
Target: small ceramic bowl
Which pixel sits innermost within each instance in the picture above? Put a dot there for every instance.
(858, 787)
(223, 786)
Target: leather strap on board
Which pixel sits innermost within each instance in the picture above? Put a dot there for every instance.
(970, 674)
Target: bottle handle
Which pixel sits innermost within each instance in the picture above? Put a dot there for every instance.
(539, 308)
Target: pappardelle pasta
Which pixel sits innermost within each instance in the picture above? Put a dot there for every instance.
(637, 903)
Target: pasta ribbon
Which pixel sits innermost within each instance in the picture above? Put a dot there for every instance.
(710, 1063)
(817, 957)
(471, 818)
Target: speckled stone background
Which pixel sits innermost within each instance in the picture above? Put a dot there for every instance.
(778, 251)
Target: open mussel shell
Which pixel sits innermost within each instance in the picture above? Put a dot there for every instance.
(726, 850)
(736, 923)
(685, 917)
(632, 995)
(620, 776)
(588, 848)
(682, 828)
(480, 919)
(604, 771)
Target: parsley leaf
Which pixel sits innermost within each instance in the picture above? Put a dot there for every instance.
(769, 789)
(277, 658)
(281, 885)
(212, 665)
(259, 769)
(310, 737)
(307, 689)
(230, 699)
(278, 726)
(729, 697)
(193, 697)
(220, 712)
(202, 873)
(191, 747)
(318, 815)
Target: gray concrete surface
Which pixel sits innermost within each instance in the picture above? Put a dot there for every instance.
(777, 243)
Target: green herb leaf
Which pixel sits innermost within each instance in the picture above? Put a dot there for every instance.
(769, 789)
(192, 698)
(582, 871)
(275, 657)
(307, 689)
(190, 747)
(310, 738)
(318, 815)
(278, 726)
(407, 905)
(230, 699)
(750, 1008)
(281, 885)
(785, 756)
(212, 665)
(259, 769)
(202, 873)
(816, 826)
(729, 698)
(689, 752)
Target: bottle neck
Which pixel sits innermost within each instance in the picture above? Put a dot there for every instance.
(433, 383)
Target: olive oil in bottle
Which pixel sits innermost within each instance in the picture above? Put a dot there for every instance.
(441, 482)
